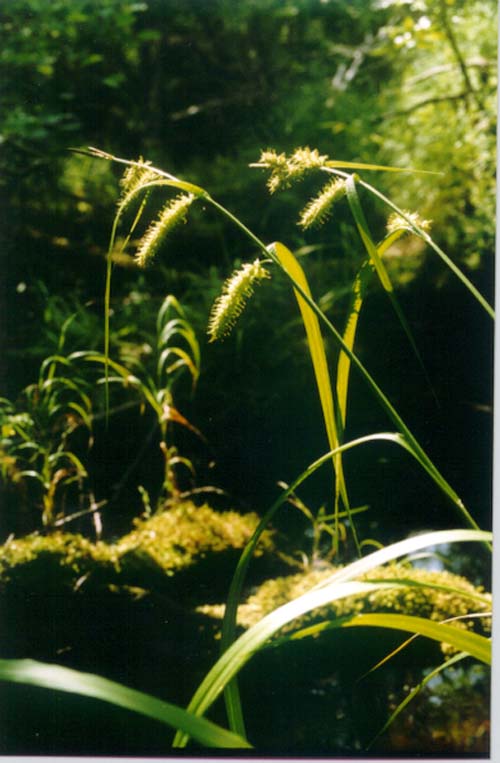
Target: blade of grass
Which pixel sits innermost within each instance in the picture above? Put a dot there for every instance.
(56, 677)
(375, 258)
(231, 694)
(317, 628)
(344, 362)
(359, 288)
(472, 643)
(320, 364)
(406, 643)
(338, 586)
(413, 693)
(427, 238)
(332, 623)
(382, 167)
(333, 163)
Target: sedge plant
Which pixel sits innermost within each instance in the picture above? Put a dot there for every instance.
(175, 352)
(141, 177)
(139, 181)
(238, 288)
(38, 434)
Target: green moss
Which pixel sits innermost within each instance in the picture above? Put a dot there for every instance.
(185, 547)
(174, 541)
(427, 602)
(184, 535)
(57, 560)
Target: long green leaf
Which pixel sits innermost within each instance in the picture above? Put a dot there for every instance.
(379, 167)
(466, 641)
(376, 259)
(318, 356)
(315, 341)
(359, 288)
(314, 630)
(425, 236)
(231, 693)
(344, 362)
(59, 678)
(339, 585)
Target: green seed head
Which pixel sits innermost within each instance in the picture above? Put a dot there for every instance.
(135, 177)
(319, 208)
(230, 304)
(172, 214)
(285, 170)
(395, 222)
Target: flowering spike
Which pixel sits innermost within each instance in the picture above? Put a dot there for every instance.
(134, 178)
(319, 208)
(395, 222)
(285, 170)
(171, 215)
(231, 302)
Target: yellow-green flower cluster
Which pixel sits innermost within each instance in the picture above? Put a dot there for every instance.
(285, 170)
(230, 304)
(135, 177)
(320, 207)
(172, 214)
(396, 223)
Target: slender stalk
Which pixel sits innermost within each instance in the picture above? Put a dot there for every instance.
(421, 455)
(107, 300)
(425, 236)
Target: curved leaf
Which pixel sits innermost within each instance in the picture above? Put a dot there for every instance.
(86, 684)
(339, 585)
(465, 641)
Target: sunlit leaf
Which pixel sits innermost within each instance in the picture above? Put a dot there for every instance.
(55, 677)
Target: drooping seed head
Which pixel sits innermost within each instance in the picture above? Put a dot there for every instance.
(285, 170)
(319, 208)
(172, 214)
(135, 177)
(395, 222)
(304, 159)
(277, 163)
(230, 304)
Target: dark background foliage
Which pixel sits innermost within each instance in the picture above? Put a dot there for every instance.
(200, 87)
